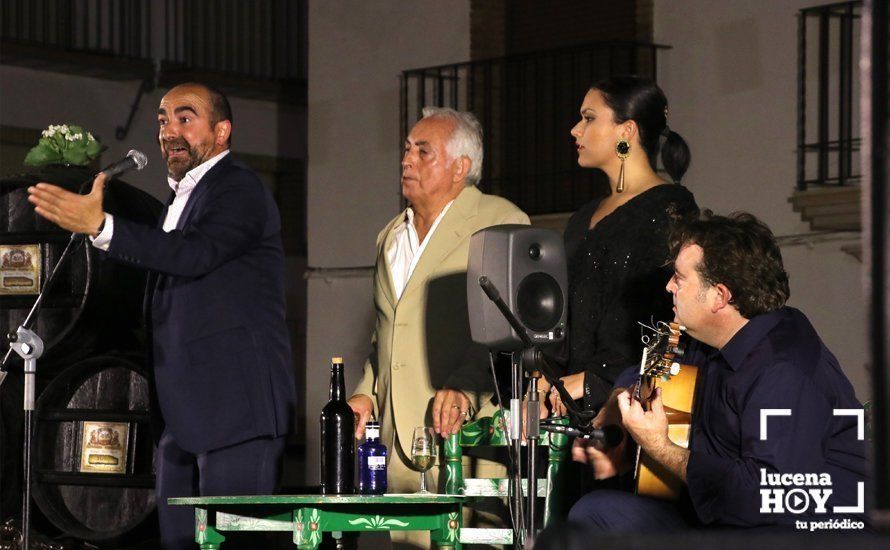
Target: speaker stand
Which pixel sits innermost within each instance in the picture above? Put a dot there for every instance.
(532, 435)
(532, 360)
(525, 520)
(516, 441)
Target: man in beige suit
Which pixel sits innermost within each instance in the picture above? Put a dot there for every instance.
(425, 370)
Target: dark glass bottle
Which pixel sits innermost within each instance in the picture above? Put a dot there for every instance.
(372, 462)
(337, 443)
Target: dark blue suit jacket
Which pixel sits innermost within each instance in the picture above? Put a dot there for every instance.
(222, 359)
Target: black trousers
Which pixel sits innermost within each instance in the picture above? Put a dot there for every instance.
(609, 511)
(249, 468)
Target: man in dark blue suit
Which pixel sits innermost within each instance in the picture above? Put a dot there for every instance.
(216, 301)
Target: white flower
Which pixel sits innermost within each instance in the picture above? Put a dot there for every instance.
(76, 139)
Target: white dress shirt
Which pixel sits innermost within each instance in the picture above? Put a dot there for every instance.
(183, 190)
(406, 249)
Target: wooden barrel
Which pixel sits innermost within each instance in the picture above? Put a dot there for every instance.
(29, 247)
(93, 449)
(96, 304)
(11, 430)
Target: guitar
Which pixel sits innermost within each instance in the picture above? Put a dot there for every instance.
(659, 367)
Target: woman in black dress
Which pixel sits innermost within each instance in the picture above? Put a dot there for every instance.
(617, 245)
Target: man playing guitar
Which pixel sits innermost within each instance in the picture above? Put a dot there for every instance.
(773, 413)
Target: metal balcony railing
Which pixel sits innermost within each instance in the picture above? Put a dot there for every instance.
(827, 132)
(112, 27)
(527, 105)
(255, 41)
(261, 39)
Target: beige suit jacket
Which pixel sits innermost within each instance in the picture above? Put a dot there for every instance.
(422, 341)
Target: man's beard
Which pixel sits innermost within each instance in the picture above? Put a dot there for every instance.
(179, 167)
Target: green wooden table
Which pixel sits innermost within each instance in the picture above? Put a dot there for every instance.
(307, 516)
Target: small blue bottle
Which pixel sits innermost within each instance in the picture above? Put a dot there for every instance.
(372, 462)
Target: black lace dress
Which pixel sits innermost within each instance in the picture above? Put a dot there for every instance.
(617, 276)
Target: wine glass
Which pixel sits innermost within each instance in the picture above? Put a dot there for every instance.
(423, 453)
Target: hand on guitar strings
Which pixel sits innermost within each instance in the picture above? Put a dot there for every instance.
(605, 461)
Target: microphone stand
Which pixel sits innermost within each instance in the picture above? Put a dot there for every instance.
(533, 360)
(532, 435)
(29, 346)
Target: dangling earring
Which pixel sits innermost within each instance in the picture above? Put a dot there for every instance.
(622, 149)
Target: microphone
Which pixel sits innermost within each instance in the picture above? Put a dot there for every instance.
(610, 435)
(490, 290)
(134, 159)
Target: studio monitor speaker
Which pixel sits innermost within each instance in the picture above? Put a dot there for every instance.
(527, 265)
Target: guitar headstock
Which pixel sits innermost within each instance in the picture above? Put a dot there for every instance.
(661, 350)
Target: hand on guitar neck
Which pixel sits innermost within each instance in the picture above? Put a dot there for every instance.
(661, 432)
(648, 426)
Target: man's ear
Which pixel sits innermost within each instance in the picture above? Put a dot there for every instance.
(462, 168)
(722, 297)
(223, 130)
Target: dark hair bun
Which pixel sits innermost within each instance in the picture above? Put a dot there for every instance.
(641, 100)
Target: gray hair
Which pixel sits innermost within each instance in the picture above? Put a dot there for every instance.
(465, 140)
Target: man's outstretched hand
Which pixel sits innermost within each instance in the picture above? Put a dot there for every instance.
(76, 213)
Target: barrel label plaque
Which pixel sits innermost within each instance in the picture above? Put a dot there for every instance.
(19, 269)
(104, 447)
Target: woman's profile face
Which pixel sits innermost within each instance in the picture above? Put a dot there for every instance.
(596, 133)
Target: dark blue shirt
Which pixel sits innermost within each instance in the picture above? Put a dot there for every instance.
(776, 361)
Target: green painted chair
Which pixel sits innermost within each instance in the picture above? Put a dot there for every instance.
(490, 431)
